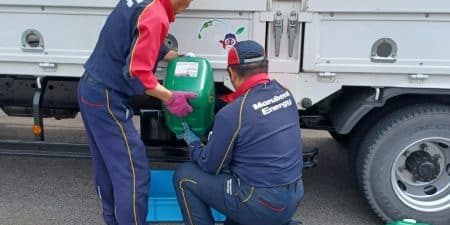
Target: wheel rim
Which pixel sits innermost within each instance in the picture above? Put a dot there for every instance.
(429, 194)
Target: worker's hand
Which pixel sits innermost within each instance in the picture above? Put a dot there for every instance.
(171, 54)
(178, 103)
(188, 136)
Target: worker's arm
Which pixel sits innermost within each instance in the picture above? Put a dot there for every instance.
(148, 36)
(161, 93)
(216, 155)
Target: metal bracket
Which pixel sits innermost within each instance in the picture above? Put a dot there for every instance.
(377, 93)
(293, 26)
(327, 76)
(37, 102)
(294, 20)
(278, 31)
(269, 16)
(418, 77)
(48, 67)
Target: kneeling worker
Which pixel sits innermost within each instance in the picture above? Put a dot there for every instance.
(251, 168)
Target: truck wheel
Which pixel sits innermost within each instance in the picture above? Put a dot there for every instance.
(403, 165)
(342, 139)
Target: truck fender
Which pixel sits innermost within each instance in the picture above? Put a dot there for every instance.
(349, 109)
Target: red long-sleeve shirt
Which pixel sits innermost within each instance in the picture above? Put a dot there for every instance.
(128, 47)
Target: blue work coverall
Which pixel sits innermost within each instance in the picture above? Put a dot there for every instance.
(251, 168)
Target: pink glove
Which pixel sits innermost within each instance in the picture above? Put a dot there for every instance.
(178, 104)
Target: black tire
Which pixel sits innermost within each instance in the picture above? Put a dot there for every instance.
(379, 151)
(342, 139)
(354, 144)
(363, 127)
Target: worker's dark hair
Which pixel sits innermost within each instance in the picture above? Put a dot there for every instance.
(249, 69)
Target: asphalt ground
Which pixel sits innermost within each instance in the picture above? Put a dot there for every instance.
(55, 191)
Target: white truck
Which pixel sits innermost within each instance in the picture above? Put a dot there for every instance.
(375, 74)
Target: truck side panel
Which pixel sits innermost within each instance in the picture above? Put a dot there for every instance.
(410, 6)
(378, 43)
(55, 38)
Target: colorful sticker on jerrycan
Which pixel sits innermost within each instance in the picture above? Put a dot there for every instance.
(186, 69)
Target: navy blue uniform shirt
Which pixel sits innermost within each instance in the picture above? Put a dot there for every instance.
(128, 48)
(257, 137)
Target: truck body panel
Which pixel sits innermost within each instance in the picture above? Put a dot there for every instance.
(349, 64)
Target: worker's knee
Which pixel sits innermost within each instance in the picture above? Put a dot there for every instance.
(184, 171)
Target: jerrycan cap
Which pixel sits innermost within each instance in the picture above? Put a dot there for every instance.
(189, 54)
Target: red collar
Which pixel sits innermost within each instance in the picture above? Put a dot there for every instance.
(247, 84)
(169, 10)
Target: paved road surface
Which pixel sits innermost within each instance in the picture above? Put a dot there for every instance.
(42, 191)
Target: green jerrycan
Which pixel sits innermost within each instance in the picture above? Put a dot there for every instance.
(407, 222)
(192, 74)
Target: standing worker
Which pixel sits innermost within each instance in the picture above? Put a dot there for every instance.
(251, 167)
(120, 67)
